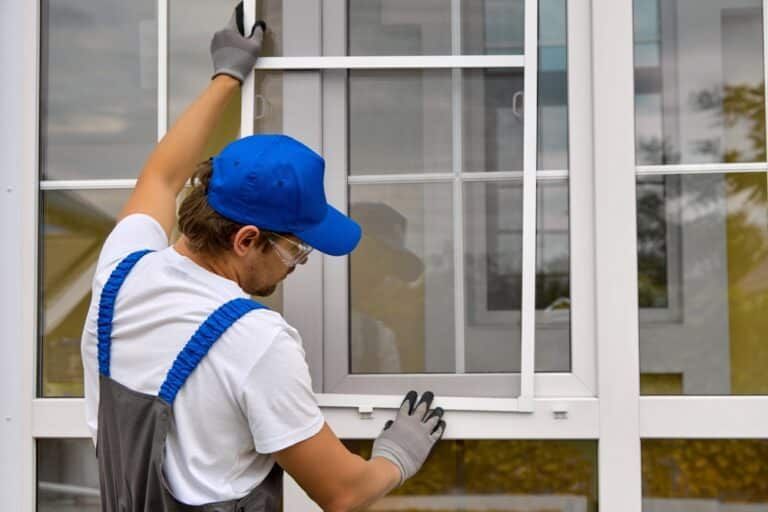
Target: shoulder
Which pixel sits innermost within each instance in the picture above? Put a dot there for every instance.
(264, 330)
(133, 233)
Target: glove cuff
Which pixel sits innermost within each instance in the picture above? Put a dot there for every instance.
(385, 453)
(229, 72)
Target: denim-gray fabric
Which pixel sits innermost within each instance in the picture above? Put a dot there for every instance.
(130, 447)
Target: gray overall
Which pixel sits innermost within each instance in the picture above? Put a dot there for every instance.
(133, 426)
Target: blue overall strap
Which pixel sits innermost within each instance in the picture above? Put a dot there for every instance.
(201, 342)
(107, 307)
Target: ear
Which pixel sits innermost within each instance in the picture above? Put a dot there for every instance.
(245, 239)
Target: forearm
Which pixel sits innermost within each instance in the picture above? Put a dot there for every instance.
(337, 480)
(176, 156)
(372, 479)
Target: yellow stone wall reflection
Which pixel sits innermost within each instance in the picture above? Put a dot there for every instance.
(515, 469)
(721, 470)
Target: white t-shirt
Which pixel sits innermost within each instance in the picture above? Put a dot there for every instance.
(249, 397)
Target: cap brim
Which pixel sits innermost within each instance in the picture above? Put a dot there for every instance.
(336, 235)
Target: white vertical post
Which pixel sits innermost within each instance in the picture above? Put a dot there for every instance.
(615, 255)
(581, 193)
(303, 119)
(334, 131)
(248, 92)
(162, 68)
(19, 96)
(530, 137)
(458, 201)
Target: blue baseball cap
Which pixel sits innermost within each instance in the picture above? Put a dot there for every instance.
(275, 182)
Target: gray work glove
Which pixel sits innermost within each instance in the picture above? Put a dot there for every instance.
(232, 53)
(408, 440)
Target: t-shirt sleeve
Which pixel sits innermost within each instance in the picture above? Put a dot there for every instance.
(135, 232)
(278, 399)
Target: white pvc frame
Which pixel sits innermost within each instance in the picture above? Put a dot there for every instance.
(619, 418)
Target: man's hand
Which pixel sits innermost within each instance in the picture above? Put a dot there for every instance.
(408, 440)
(232, 52)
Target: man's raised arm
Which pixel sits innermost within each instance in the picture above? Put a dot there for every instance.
(175, 158)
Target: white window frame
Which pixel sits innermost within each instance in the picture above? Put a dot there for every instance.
(315, 299)
(618, 418)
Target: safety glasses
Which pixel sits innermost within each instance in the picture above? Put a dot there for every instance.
(298, 255)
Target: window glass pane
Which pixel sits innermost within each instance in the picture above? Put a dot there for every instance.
(67, 476)
(268, 103)
(399, 121)
(698, 475)
(553, 277)
(703, 283)
(401, 27)
(190, 30)
(553, 86)
(74, 227)
(490, 475)
(493, 276)
(98, 90)
(493, 120)
(699, 87)
(401, 279)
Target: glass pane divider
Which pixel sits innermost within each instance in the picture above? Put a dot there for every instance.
(400, 178)
(458, 276)
(162, 68)
(649, 170)
(530, 154)
(248, 89)
(458, 198)
(458, 247)
(391, 62)
(101, 184)
(373, 179)
(552, 174)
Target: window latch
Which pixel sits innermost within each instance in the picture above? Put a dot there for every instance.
(365, 412)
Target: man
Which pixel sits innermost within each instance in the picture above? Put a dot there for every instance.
(193, 391)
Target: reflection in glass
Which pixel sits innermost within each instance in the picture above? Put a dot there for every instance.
(399, 121)
(98, 89)
(493, 120)
(699, 87)
(401, 279)
(189, 64)
(397, 27)
(699, 475)
(553, 86)
(67, 476)
(268, 103)
(490, 475)
(493, 276)
(75, 225)
(703, 283)
(653, 192)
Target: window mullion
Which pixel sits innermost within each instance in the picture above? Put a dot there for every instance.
(528, 305)
(391, 62)
(248, 90)
(162, 68)
(458, 203)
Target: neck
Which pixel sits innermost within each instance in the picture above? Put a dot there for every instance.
(220, 266)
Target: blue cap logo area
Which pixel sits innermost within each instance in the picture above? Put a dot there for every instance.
(275, 182)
